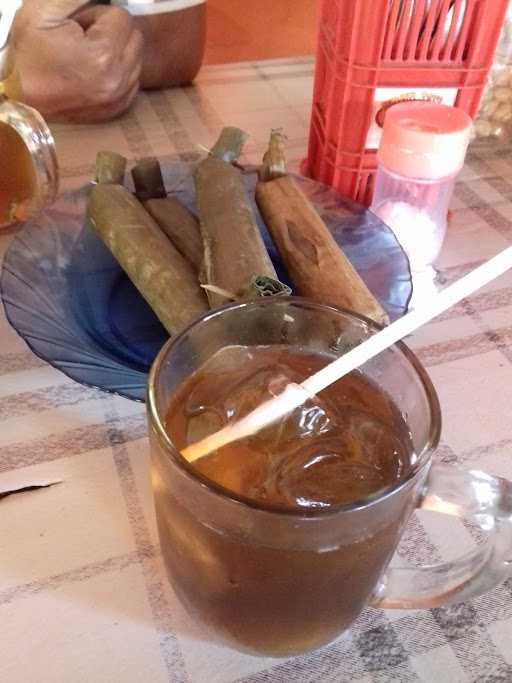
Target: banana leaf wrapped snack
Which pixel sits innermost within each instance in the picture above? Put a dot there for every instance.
(175, 220)
(235, 255)
(110, 167)
(162, 275)
(317, 266)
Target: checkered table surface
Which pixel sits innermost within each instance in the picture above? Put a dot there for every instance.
(83, 594)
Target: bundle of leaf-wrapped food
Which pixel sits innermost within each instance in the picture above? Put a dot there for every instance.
(177, 222)
(235, 256)
(317, 266)
(165, 250)
(162, 275)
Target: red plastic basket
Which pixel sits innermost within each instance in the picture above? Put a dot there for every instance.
(371, 52)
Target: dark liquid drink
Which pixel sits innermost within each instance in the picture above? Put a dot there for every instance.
(346, 446)
(17, 175)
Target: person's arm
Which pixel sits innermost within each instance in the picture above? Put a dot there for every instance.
(173, 46)
(76, 65)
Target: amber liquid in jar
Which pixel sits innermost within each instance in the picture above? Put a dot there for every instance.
(17, 176)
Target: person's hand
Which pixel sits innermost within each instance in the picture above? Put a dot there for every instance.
(76, 64)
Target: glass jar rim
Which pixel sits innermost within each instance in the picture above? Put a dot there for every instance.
(38, 140)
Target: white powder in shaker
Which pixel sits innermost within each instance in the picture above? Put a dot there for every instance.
(421, 239)
(419, 235)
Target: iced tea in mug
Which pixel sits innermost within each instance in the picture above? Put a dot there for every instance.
(28, 163)
(277, 542)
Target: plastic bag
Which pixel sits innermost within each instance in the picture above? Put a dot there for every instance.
(494, 117)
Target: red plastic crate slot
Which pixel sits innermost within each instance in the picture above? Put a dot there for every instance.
(349, 180)
(437, 32)
(419, 39)
(364, 188)
(455, 35)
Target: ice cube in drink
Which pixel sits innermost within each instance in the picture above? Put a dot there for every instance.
(346, 444)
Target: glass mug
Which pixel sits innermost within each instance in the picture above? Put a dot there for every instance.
(280, 583)
(29, 177)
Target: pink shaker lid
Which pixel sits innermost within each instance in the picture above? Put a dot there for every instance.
(424, 140)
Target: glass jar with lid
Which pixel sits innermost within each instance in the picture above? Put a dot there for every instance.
(29, 170)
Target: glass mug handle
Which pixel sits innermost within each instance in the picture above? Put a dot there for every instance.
(470, 495)
(38, 140)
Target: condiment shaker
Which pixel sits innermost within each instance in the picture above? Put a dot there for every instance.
(422, 150)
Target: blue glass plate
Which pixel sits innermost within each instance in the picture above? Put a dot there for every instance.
(70, 301)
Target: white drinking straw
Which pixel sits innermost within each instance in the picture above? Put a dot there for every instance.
(295, 395)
